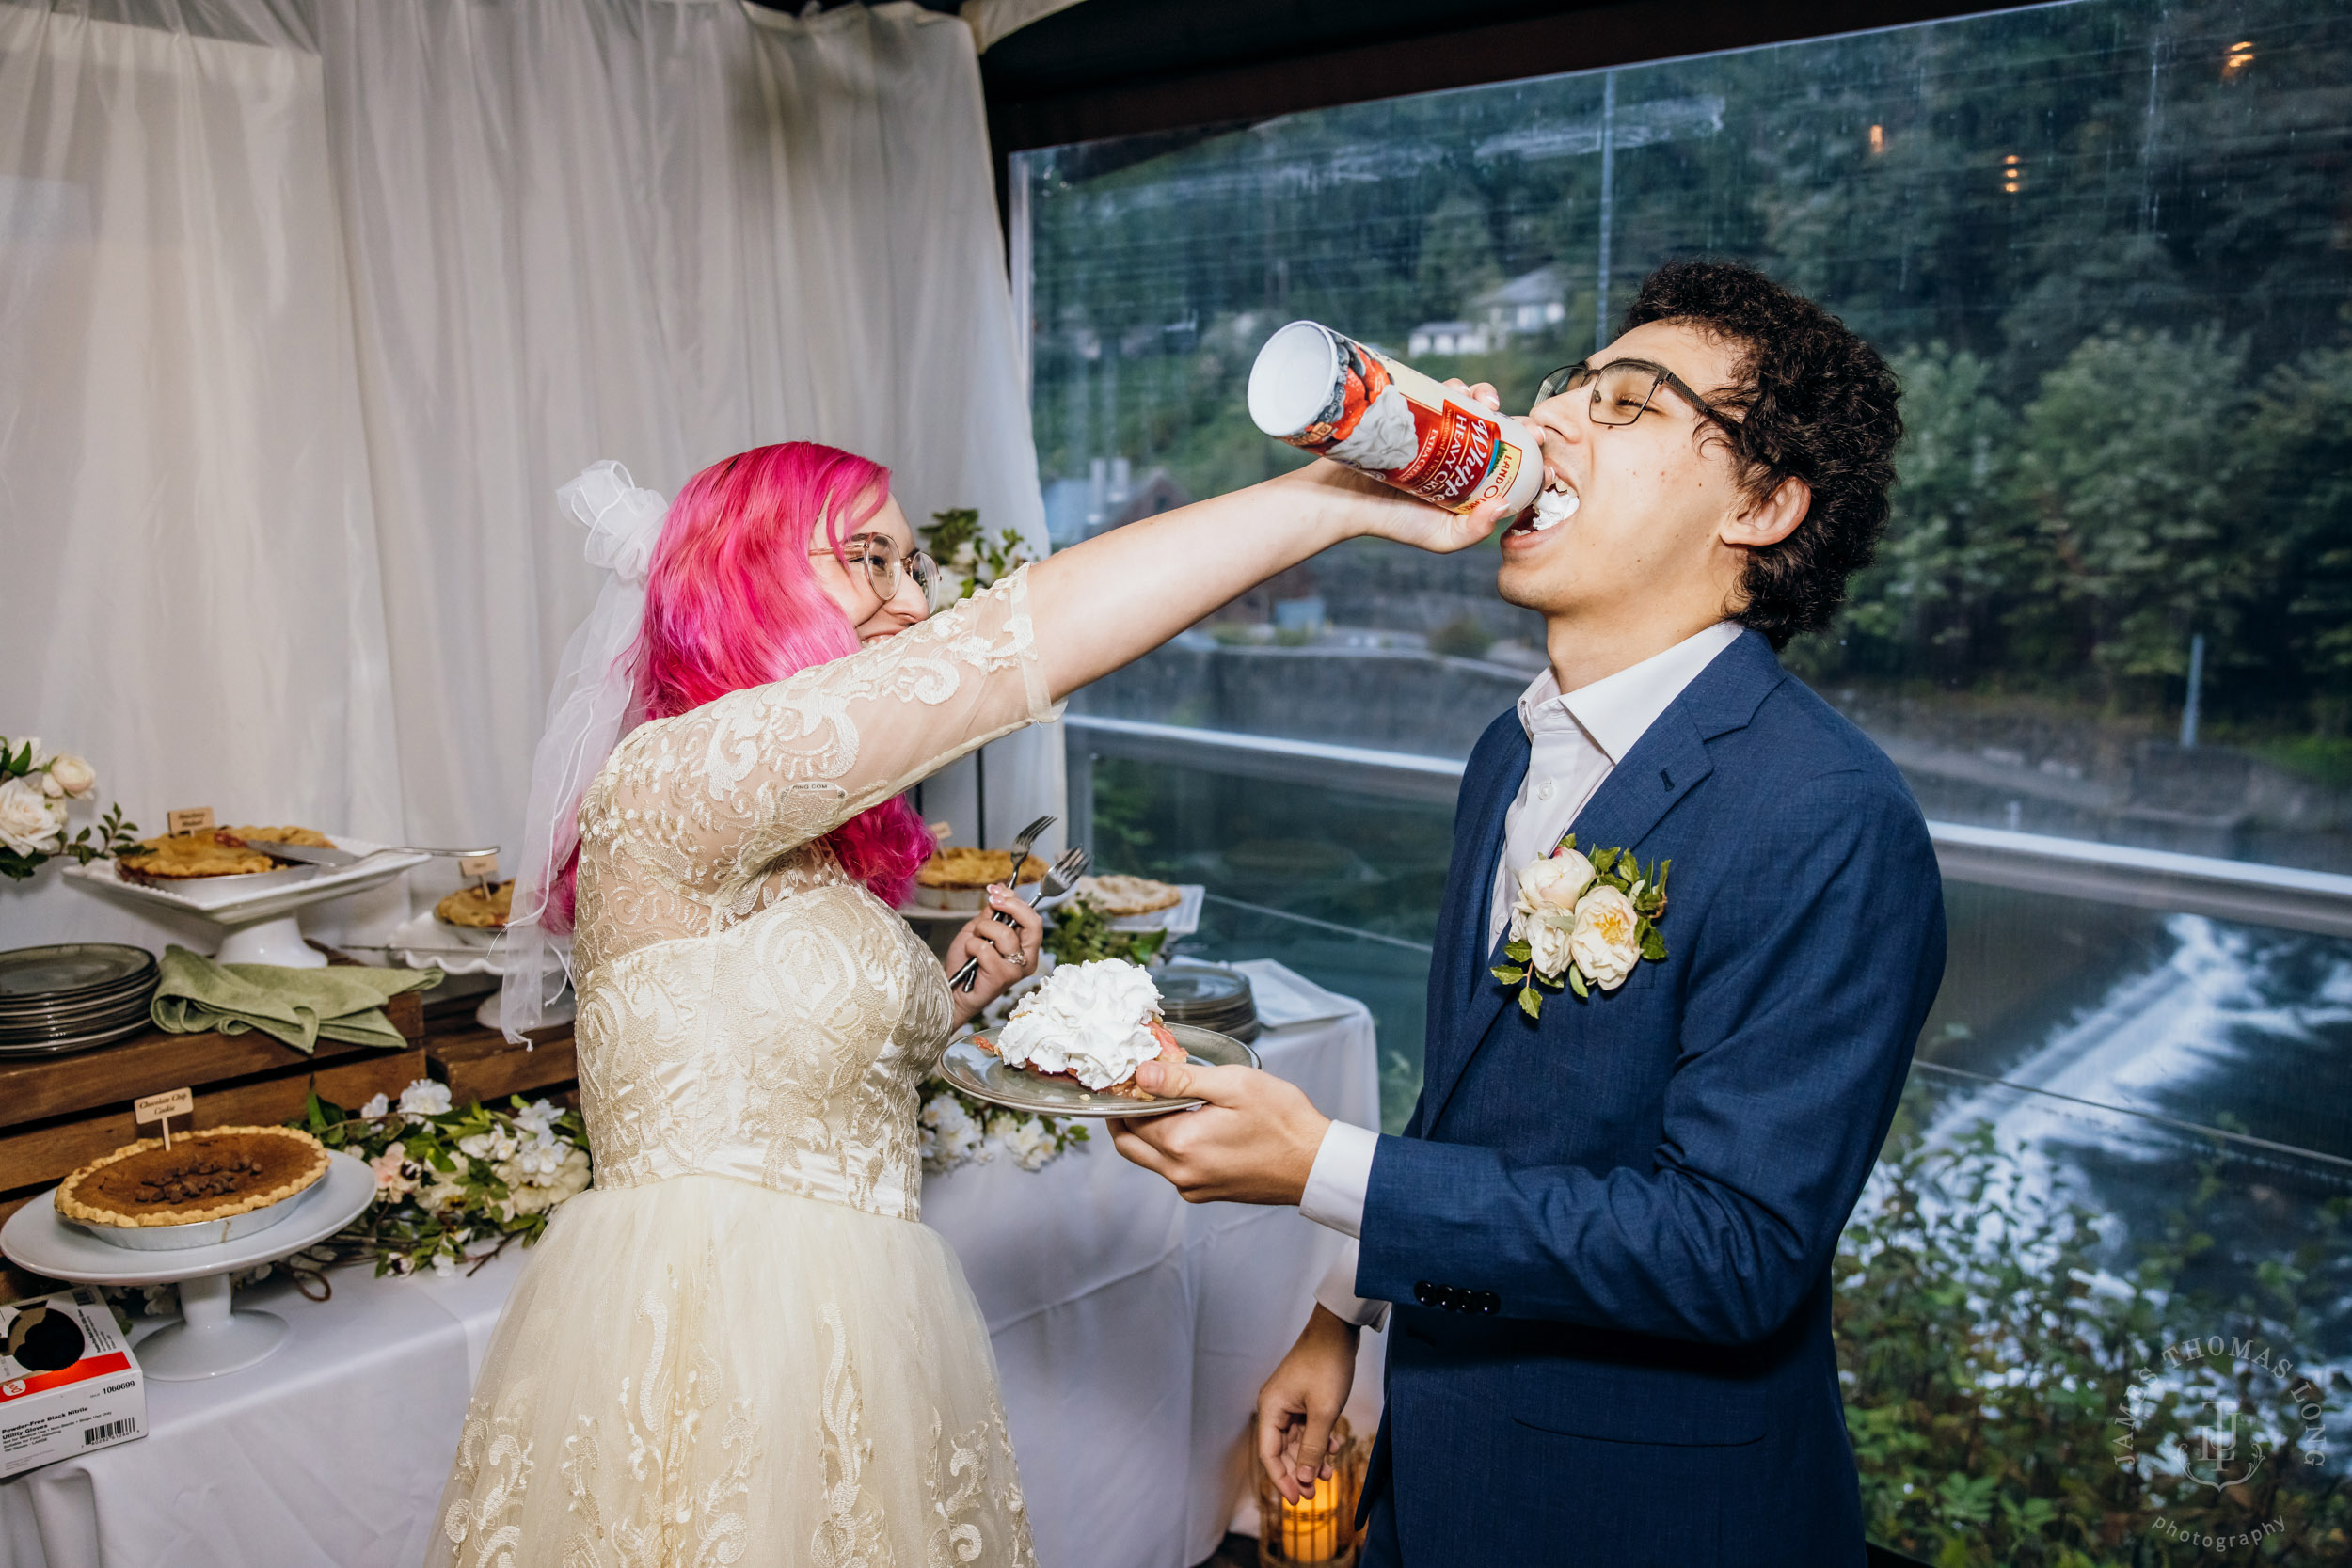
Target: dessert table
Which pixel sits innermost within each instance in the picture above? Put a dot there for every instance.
(1131, 1331)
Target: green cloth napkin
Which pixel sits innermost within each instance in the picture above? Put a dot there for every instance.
(299, 1007)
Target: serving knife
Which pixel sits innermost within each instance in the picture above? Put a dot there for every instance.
(314, 854)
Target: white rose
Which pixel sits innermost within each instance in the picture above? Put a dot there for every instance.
(1551, 883)
(40, 753)
(72, 775)
(1554, 882)
(1604, 942)
(1548, 947)
(30, 823)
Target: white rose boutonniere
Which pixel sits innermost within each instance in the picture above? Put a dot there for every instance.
(1581, 922)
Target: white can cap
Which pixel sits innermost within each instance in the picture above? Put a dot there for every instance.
(1291, 384)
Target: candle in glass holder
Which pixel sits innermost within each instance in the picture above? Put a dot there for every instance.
(1318, 1530)
(1311, 1526)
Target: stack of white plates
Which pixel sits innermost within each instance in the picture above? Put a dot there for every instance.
(73, 995)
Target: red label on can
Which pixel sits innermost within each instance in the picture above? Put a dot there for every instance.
(1458, 448)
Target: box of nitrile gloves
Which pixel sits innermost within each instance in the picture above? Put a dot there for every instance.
(68, 1381)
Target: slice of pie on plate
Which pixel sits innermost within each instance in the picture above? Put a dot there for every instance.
(1092, 1024)
(213, 1175)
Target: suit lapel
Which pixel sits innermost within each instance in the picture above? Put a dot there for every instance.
(1665, 765)
(1458, 964)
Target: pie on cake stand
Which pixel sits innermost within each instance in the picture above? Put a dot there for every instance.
(219, 1201)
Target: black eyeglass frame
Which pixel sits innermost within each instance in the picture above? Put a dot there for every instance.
(1569, 377)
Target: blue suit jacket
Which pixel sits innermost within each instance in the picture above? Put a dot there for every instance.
(1609, 1232)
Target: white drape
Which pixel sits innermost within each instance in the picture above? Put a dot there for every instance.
(309, 305)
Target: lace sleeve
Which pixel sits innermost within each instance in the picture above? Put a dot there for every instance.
(711, 799)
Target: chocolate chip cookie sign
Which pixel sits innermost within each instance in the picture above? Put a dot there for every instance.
(1324, 392)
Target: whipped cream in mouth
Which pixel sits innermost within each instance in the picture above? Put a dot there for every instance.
(1553, 506)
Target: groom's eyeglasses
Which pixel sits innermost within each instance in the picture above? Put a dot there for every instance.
(1623, 389)
(878, 556)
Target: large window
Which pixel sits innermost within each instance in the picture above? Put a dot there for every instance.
(2108, 247)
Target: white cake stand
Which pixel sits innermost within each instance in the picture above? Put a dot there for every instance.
(257, 913)
(212, 1336)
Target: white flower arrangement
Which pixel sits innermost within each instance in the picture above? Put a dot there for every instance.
(954, 1129)
(1581, 922)
(37, 789)
(452, 1186)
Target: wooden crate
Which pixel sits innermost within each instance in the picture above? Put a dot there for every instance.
(59, 1113)
(478, 1064)
(62, 1112)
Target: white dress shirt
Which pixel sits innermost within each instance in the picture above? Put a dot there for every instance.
(1574, 742)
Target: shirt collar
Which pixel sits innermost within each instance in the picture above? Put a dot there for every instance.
(1617, 709)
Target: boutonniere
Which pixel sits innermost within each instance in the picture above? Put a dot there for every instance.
(1581, 922)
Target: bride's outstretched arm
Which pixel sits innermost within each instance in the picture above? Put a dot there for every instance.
(1116, 596)
(711, 799)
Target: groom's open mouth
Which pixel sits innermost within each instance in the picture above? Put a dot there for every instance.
(1556, 503)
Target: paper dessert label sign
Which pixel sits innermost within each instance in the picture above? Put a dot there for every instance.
(68, 1381)
(188, 819)
(163, 1107)
(478, 865)
(1324, 392)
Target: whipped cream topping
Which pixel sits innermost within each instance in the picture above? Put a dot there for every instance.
(1555, 507)
(1088, 1019)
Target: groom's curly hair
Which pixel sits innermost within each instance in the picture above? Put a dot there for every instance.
(1811, 401)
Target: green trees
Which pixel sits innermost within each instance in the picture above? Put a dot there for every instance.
(2073, 532)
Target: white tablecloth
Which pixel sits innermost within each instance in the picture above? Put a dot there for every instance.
(1131, 1332)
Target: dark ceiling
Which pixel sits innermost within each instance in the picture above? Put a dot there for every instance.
(1114, 68)
(1123, 68)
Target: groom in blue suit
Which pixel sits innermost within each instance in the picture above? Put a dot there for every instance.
(1602, 1244)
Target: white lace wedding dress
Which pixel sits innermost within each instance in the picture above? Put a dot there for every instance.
(741, 1346)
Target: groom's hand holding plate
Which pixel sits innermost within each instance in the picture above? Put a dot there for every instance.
(1253, 1141)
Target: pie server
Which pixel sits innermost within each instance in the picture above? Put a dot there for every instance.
(312, 854)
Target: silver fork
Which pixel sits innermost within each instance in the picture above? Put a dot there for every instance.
(1067, 868)
(962, 978)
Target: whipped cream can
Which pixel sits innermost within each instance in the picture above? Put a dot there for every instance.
(1324, 392)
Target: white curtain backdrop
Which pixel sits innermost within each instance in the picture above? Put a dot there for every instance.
(309, 305)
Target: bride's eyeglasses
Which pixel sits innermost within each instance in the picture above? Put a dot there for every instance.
(879, 557)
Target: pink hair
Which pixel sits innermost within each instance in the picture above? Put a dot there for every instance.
(732, 602)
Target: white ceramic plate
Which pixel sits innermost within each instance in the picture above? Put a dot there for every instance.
(261, 896)
(423, 941)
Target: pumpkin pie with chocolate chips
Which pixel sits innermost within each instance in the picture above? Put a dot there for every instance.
(212, 1174)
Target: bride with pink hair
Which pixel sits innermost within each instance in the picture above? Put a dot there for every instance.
(741, 1346)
